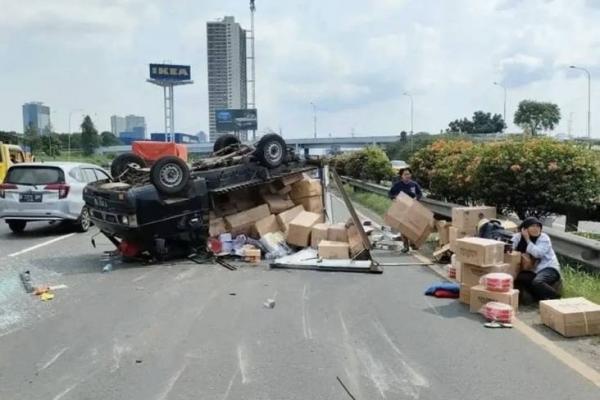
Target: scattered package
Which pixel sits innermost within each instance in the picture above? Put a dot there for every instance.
(480, 296)
(410, 218)
(572, 317)
(466, 219)
(498, 312)
(334, 250)
(497, 282)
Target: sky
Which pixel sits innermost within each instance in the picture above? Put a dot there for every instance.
(352, 59)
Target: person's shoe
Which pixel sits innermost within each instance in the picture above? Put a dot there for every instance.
(405, 250)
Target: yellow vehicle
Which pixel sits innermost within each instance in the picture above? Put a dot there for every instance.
(10, 154)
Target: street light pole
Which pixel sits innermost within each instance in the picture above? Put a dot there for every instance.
(314, 118)
(411, 118)
(504, 114)
(589, 113)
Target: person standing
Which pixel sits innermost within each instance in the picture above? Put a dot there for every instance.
(541, 269)
(409, 187)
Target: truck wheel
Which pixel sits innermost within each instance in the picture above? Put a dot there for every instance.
(224, 141)
(271, 150)
(122, 161)
(16, 225)
(170, 174)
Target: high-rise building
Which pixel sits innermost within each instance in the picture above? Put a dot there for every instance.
(226, 52)
(117, 125)
(134, 121)
(201, 136)
(36, 116)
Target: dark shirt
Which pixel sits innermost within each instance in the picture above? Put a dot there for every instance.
(411, 188)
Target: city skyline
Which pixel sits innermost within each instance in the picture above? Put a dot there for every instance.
(354, 71)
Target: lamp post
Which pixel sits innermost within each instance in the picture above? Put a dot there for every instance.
(504, 113)
(412, 114)
(69, 139)
(314, 118)
(589, 113)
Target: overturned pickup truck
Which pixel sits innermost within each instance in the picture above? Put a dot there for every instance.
(163, 211)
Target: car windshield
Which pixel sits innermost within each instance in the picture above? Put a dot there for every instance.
(34, 175)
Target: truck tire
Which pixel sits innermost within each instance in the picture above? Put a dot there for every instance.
(16, 225)
(271, 150)
(170, 175)
(224, 141)
(122, 161)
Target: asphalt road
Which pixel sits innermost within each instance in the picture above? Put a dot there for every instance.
(181, 331)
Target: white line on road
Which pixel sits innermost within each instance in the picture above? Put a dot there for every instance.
(53, 359)
(64, 392)
(37, 246)
(305, 321)
(173, 380)
(243, 362)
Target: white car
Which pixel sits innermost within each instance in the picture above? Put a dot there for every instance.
(50, 191)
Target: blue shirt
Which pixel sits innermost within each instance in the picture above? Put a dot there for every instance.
(411, 188)
(542, 250)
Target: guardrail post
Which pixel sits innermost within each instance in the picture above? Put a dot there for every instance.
(572, 221)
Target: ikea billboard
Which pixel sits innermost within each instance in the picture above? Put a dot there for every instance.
(168, 72)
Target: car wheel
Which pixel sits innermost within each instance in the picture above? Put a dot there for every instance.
(122, 161)
(170, 175)
(271, 150)
(16, 225)
(83, 222)
(224, 141)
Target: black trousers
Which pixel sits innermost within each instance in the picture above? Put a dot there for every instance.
(540, 285)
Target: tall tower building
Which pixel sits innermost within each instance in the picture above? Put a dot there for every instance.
(227, 83)
(36, 116)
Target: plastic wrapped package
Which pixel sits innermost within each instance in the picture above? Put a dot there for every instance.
(499, 312)
(497, 282)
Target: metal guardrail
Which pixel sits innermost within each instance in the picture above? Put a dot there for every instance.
(584, 251)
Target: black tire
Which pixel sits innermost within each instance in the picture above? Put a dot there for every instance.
(16, 225)
(84, 221)
(122, 161)
(271, 150)
(224, 141)
(170, 175)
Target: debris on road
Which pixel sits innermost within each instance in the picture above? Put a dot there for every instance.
(26, 280)
(443, 290)
(46, 296)
(270, 303)
(107, 268)
(345, 388)
(58, 287)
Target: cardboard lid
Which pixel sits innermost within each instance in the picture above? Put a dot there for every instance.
(306, 218)
(480, 241)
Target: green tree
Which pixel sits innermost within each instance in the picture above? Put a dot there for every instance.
(461, 125)
(403, 137)
(404, 150)
(482, 122)
(32, 139)
(534, 116)
(89, 136)
(9, 137)
(108, 139)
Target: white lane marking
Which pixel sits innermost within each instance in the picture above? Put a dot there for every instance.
(118, 351)
(173, 380)
(186, 274)
(64, 392)
(226, 395)
(433, 307)
(376, 370)
(344, 327)
(305, 320)
(37, 246)
(243, 362)
(53, 359)
(139, 278)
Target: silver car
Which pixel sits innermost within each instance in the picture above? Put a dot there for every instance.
(50, 191)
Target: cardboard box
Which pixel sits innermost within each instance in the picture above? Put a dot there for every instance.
(443, 230)
(291, 179)
(307, 187)
(216, 226)
(464, 295)
(467, 218)
(285, 217)
(576, 316)
(334, 250)
(355, 241)
(479, 251)
(243, 222)
(318, 233)
(266, 225)
(277, 203)
(312, 204)
(480, 297)
(514, 259)
(410, 218)
(453, 234)
(457, 266)
(300, 227)
(470, 274)
(338, 233)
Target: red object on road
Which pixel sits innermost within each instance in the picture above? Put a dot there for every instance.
(152, 151)
(129, 249)
(497, 282)
(500, 312)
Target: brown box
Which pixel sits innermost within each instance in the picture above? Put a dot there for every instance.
(355, 241)
(266, 225)
(300, 227)
(312, 204)
(514, 259)
(464, 295)
(479, 251)
(285, 217)
(277, 203)
(467, 218)
(216, 227)
(338, 233)
(443, 229)
(334, 250)
(457, 266)
(480, 297)
(576, 316)
(453, 234)
(410, 218)
(291, 179)
(243, 222)
(307, 187)
(318, 233)
(470, 274)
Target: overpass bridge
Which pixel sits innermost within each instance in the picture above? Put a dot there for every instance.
(304, 144)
